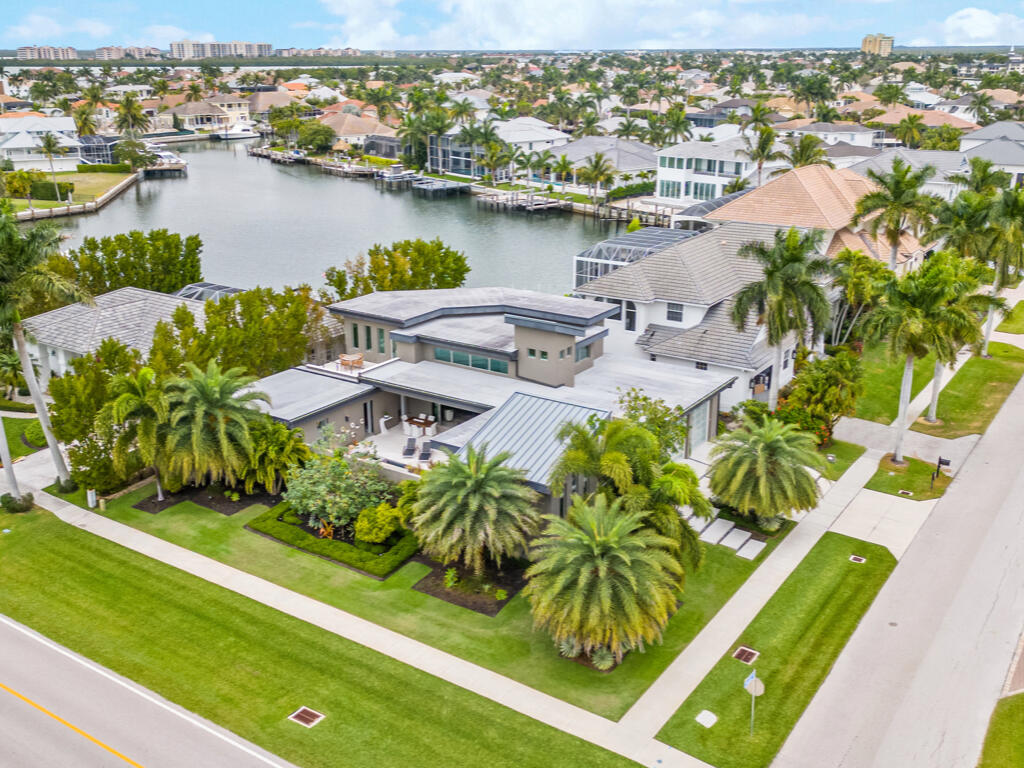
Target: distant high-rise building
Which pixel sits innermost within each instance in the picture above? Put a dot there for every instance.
(47, 52)
(877, 45)
(191, 49)
(116, 52)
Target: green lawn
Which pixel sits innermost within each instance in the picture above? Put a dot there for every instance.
(799, 633)
(969, 402)
(506, 643)
(1013, 322)
(845, 453)
(914, 476)
(13, 429)
(882, 377)
(247, 666)
(1004, 744)
(89, 186)
(20, 204)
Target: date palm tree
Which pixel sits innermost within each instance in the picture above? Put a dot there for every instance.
(139, 409)
(208, 429)
(762, 468)
(474, 508)
(789, 298)
(276, 449)
(25, 278)
(761, 149)
(601, 579)
(899, 205)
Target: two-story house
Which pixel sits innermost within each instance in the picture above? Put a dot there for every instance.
(695, 171)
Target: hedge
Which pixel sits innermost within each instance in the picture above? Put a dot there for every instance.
(631, 190)
(271, 524)
(43, 190)
(11, 405)
(104, 168)
(34, 434)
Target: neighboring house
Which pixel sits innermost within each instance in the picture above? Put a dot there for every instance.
(140, 91)
(931, 118)
(819, 197)
(260, 102)
(1004, 129)
(843, 155)
(236, 105)
(963, 107)
(456, 78)
(695, 171)
(194, 116)
(832, 133)
(945, 163)
(354, 129)
(129, 315)
(21, 138)
(526, 133)
(625, 155)
(12, 103)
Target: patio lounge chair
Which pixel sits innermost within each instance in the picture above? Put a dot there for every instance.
(424, 452)
(410, 448)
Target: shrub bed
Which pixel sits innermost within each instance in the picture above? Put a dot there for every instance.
(631, 190)
(34, 434)
(104, 168)
(282, 524)
(44, 190)
(11, 405)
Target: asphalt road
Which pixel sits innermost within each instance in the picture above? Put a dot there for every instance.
(94, 718)
(917, 683)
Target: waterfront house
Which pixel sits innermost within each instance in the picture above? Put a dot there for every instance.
(260, 103)
(529, 134)
(354, 129)
(625, 155)
(1004, 129)
(695, 171)
(194, 116)
(236, 105)
(21, 138)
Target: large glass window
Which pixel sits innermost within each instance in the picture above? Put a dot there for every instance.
(478, 361)
(582, 353)
(499, 366)
(481, 362)
(460, 358)
(663, 162)
(440, 353)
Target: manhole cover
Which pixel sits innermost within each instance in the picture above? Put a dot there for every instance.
(306, 716)
(746, 655)
(857, 559)
(902, 492)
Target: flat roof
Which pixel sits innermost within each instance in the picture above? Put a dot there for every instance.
(483, 332)
(299, 393)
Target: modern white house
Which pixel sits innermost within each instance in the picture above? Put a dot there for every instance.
(695, 171)
(21, 138)
(832, 133)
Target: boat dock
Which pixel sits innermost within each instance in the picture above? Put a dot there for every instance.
(277, 156)
(518, 201)
(165, 170)
(431, 187)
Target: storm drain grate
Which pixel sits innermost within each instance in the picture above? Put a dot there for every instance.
(857, 559)
(746, 655)
(306, 716)
(902, 492)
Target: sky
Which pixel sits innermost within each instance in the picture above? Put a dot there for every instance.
(511, 24)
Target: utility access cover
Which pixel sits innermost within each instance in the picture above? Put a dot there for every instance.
(306, 716)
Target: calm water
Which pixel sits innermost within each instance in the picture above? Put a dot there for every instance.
(275, 225)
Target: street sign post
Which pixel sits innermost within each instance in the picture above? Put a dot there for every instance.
(755, 688)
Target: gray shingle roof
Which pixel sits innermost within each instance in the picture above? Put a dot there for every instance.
(625, 154)
(1001, 151)
(714, 340)
(128, 314)
(527, 427)
(944, 161)
(845, 149)
(1004, 128)
(701, 270)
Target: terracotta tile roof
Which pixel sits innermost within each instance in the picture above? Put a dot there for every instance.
(812, 196)
(875, 247)
(22, 114)
(932, 118)
(1004, 95)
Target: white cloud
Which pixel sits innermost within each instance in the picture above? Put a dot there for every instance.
(93, 28)
(161, 35)
(41, 27)
(977, 26)
(364, 24)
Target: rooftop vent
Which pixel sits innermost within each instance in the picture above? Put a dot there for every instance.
(306, 717)
(746, 655)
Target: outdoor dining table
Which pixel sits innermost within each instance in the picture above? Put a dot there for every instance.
(422, 423)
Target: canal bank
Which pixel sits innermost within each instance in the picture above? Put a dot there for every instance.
(272, 225)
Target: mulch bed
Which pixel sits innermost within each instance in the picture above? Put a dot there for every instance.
(511, 579)
(33, 446)
(210, 498)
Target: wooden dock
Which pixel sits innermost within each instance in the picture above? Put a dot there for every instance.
(607, 212)
(165, 170)
(519, 201)
(428, 186)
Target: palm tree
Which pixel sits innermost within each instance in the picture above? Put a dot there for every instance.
(759, 117)
(904, 319)
(963, 224)
(629, 129)
(26, 278)
(789, 298)
(473, 508)
(276, 449)
(860, 278)
(762, 469)
(462, 111)
(208, 428)
(762, 150)
(982, 104)
(910, 130)
(436, 122)
(161, 87)
(93, 95)
(541, 160)
(563, 167)
(413, 129)
(49, 145)
(677, 126)
(738, 184)
(597, 170)
(85, 120)
(130, 119)
(10, 375)
(494, 157)
(982, 177)
(600, 579)
(807, 150)
(139, 408)
(1007, 251)
(587, 125)
(890, 93)
(194, 92)
(900, 205)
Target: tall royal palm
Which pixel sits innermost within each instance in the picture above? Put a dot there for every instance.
(905, 319)
(1007, 251)
(763, 468)
(601, 579)
(208, 429)
(139, 408)
(474, 508)
(789, 298)
(963, 224)
(50, 146)
(898, 206)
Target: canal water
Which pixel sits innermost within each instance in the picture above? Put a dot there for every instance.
(275, 225)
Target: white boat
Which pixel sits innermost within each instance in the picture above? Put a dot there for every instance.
(243, 129)
(164, 156)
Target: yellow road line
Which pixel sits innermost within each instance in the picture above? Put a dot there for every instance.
(74, 728)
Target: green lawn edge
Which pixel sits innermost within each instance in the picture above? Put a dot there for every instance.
(13, 430)
(1004, 743)
(914, 476)
(846, 454)
(882, 381)
(800, 632)
(247, 666)
(1013, 321)
(506, 643)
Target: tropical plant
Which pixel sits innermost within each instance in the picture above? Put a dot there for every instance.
(899, 205)
(563, 167)
(138, 410)
(615, 455)
(1007, 251)
(474, 508)
(860, 278)
(910, 130)
(131, 119)
(495, 156)
(85, 120)
(597, 171)
(891, 93)
(789, 298)
(50, 146)
(982, 177)
(762, 469)
(828, 388)
(964, 224)
(982, 104)
(601, 579)
(276, 450)
(208, 436)
(807, 150)
(194, 92)
(24, 278)
(760, 149)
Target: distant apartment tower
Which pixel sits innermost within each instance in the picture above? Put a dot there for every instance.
(877, 45)
(290, 52)
(191, 49)
(47, 52)
(117, 52)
